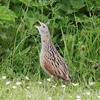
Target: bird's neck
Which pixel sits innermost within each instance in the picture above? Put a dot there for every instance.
(45, 42)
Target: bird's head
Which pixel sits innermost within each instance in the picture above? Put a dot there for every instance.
(43, 28)
(44, 32)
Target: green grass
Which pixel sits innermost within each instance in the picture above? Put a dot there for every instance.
(75, 31)
(46, 90)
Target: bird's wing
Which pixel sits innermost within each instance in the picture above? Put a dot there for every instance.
(55, 64)
(57, 70)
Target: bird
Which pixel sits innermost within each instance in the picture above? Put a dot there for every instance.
(50, 59)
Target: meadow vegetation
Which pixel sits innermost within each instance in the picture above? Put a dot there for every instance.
(75, 30)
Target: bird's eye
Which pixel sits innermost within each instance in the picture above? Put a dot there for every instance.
(43, 26)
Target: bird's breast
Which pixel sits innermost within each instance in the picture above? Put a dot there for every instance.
(44, 64)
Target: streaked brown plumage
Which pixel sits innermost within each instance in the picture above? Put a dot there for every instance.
(50, 59)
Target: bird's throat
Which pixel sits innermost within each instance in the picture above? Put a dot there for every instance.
(45, 42)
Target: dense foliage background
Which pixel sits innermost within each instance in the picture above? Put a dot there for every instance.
(75, 31)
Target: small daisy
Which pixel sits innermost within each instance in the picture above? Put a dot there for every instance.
(88, 93)
(40, 82)
(7, 83)
(53, 86)
(27, 78)
(28, 87)
(48, 79)
(4, 77)
(78, 97)
(75, 84)
(63, 86)
(98, 97)
(71, 96)
(49, 98)
(14, 87)
(91, 83)
(18, 83)
(29, 96)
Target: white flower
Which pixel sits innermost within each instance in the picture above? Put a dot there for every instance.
(78, 97)
(27, 78)
(48, 79)
(75, 84)
(4, 77)
(63, 86)
(14, 87)
(29, 96)
(40, 82)
(98, 97)
(18, 83)
(91, 83)
(7, 83)
(53, 86)
(49, 98)
(28, 87)
(88, 93)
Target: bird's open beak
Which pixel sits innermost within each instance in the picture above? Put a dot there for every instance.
(39, 26)
(40, 23)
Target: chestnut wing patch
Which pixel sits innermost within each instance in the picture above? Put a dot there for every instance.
(49, 68)
(56, 71)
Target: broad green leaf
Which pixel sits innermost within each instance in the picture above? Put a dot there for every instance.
(7, 14)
